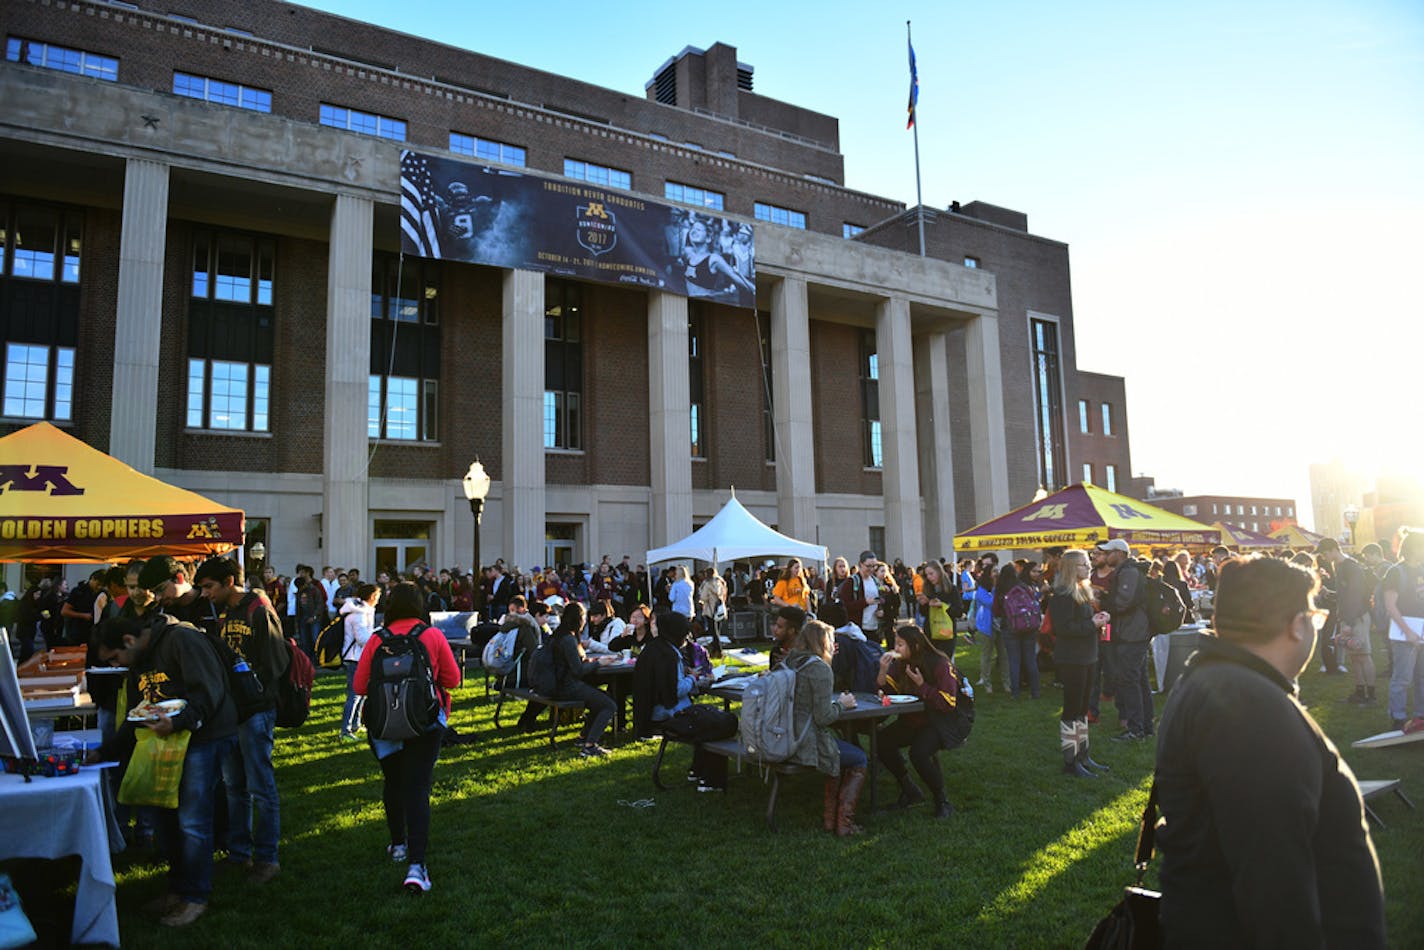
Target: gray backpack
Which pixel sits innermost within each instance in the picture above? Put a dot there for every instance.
(767, 729)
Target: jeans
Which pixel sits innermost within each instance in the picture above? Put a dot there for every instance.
(351, 712)
(1408, 671)
(1023, 659)
(186, 833)
(406, 792)
(852, 755)
(307, 641)
(601, 707)
(1134, 695)
(247, 771)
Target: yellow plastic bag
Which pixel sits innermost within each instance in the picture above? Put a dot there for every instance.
(156, 770)
(940, 623)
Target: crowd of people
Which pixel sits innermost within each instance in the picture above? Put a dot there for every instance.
(1077, 617)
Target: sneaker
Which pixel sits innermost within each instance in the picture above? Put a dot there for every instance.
(264, 871)
(183, 914)
(709, 787)
(693, 777)
(396, 853)
(1128, 735)
(163, 906)
(417, 879)
(350, 737)
(592, 751)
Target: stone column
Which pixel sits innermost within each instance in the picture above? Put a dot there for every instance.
(933, 432)
(133, 425)
(900, 464)
(522, 465)
(791, 409)
(345, 524)
(987, 446)
(669, 418)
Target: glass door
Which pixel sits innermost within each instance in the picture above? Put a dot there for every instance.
(401, 545)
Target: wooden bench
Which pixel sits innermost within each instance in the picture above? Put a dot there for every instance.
(732, 749)
(555, 706)
(1377, 787)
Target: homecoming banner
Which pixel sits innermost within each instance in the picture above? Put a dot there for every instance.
(456, 211)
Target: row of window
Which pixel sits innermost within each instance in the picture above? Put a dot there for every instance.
(1109, 476)
(334, 116)
(1263, 511)
(1085, 418)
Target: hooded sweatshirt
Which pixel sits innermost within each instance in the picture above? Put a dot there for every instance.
(359, 618)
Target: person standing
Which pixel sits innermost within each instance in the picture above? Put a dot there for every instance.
(860, 595)
(358, 621)
(1132, 635)
(680, 592)
(1403, 591)
(1263, 840)
(1353, 589)
(1076, 621)
(252, 632)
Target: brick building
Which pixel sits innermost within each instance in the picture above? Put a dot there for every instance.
(203, 278)
(1250, 512)
(1098, 422)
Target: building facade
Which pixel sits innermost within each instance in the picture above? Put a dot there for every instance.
(202, 276)
(1250, 512)
(1098, 422)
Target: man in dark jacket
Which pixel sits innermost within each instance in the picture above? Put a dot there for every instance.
(1353, 590)
(1131, 635)
(252, 632)
(1264, 841)
(167, 660)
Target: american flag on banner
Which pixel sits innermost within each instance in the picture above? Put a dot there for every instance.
(417, 217)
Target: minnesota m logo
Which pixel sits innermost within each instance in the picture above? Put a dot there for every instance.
(17, 478)
(1049, 512)
(595, 210)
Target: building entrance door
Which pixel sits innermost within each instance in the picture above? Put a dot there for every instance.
(559, 543)
(401, 545)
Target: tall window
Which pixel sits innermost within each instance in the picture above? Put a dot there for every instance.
(487, 149)
(705, 197)
(223, 93)
(403, 391)
(870, 401)
(598, 174)
(768, 417)
(1088, 472)
(1110, 475)
(563, 365)
(695, 326)
(367, 123)
(49, 56)
(1048, 396)
(1107, 419)
(230, 332)
(779, 215)
(39, 309)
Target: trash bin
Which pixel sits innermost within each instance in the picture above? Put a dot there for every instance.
(1180, 645)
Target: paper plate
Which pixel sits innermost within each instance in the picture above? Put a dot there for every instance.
(897, 700)
(170, 706)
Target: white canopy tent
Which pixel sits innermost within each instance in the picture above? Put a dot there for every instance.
(735, 534)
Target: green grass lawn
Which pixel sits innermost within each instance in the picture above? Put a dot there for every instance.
(532, 847)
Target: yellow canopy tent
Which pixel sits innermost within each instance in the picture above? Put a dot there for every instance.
(1294, 536)
(63, 501)
(1234, 537)
(1085, 514)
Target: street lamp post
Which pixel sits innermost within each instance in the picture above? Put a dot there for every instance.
(1352, 515)
(476, 485)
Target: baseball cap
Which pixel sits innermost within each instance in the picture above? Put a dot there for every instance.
(158, 570)
(1116, 544)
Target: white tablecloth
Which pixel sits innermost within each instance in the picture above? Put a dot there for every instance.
(57, 817)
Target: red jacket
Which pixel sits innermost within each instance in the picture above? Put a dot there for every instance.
(442, 662)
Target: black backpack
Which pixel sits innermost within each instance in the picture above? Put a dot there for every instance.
(856, 664)
(402, 701)
(1165, 610)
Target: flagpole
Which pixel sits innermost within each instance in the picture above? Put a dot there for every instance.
(919, 199)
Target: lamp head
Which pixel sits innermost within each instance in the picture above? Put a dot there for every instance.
(476, 482)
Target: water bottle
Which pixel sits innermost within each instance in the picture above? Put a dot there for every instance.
(240, 666)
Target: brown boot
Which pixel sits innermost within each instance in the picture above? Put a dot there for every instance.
(851, 782)
(833, 803)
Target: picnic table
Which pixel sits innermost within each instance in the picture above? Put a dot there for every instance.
(867, 713)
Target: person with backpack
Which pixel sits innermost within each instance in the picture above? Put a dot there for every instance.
(814, 710)
(915, 668)
(559, 672)
(1132, 635)
(249, 635)
(1076, 623)
(1022, 617)
(358, 617)
(983, 614)
(407, 660)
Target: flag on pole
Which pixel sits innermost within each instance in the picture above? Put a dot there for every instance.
(914, 85)
(417, 218)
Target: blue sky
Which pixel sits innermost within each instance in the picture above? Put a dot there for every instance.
(1241, 184)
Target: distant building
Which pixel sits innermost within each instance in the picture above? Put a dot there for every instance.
(1097, 421)
(1334, 489)
(1251, 512)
